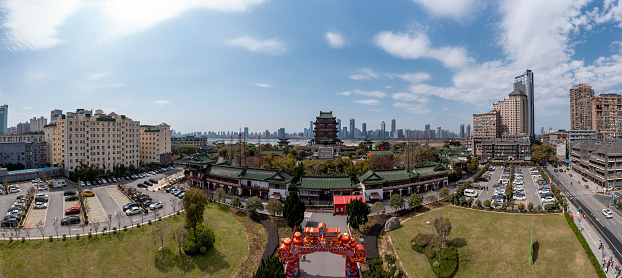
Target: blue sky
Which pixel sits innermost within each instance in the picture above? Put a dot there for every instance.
(222, 65)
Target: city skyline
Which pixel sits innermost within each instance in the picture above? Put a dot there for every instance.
(427, 63)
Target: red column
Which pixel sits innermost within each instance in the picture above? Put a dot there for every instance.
(293, 268)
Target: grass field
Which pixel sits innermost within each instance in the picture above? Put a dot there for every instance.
(497, 245)
(129, 254)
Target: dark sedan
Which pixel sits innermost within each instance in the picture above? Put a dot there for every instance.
(70, 220)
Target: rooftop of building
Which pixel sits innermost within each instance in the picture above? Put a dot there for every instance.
(329, 182)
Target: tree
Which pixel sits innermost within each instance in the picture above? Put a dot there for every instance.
(159, 233)
(396, 202)
(220, 195)
(119, 217)
(236, 202)
(179, 235)
(194, 202)
(272, 268)
(40, 226)
(56, 224)
(487, 203)
(5, 184)
(415, 201)
(443, 193)
(95, 225)
(253, 204)
(109, 222)
(442, 227)
(82, 203)
(380, 161)
(174, 204)
(293, 209)
(377, 207)
(530, 206)
(521, 207)
(274, 207)
(430, 198)
(357, 213)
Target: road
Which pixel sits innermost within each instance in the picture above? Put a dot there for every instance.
(609, 230)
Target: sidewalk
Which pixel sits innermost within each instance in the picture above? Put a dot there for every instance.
(594, 240)
(578, 179)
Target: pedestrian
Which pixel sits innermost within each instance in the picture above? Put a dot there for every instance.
(603, 265)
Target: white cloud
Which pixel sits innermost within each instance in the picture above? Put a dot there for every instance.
(115, 85)
(27, 108)
(269, 46)
(368, 101)
(40, 75)
(417, 45)
(162, 102)
(33, 25)
(261, 85)
(96, 76)
(417, 77)
(388, 87)
(364, 74)
(407, 97)
(413, 108)
(335, 40)
(376, 110)
(377, 94)
(445, 109)
(449, 8)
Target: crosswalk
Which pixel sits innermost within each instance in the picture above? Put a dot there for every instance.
(580, 193)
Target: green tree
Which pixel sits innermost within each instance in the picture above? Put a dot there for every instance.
(220, 195)
(415, 201)
(253, 204)
(357, 213)
(194, 202)
(443, 193)
(293, 209)
(272, 268)
(487, 203)
(236, 202)
(377, 207)
(274, 207)
(396, 202)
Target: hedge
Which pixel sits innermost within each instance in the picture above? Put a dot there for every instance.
(448, 256)
(583, 242)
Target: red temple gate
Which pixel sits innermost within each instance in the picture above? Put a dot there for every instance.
(321, 239)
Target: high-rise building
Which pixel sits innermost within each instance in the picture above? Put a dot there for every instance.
(281, 132)
(340, 133)
(383, 129)
(99, 139)
(393, 126)
(364, 126)
(311, 133)
(513, 110)
(352, 127)
(54, 113)
(4, 116)
(426, 132)
(606, 119)
(542, 130)
(245, 132)
(468, 131)
(23, 128)
(38, 124)
(155, 144)
(524, 82)
(487, 125)
(462, 131)
(581, 107)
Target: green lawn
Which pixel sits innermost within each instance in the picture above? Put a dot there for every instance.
(128, 254)
(497, 245)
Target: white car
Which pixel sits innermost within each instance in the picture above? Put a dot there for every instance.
(156, 205)
(132, 211)
(14, 190)
(518, 181)
(548, 200)
(544, 190)
(519, 197)
(40, 205)
(607, 213)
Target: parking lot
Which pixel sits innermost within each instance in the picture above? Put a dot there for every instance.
(108, 199)
(530, 186)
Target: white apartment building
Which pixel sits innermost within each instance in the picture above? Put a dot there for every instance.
(155, 143)
(513, 110)
(100, 139)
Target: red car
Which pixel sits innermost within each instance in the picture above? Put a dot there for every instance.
(72, 210)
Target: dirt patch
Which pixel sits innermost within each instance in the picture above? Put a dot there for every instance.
(256, 238)
(385, 246)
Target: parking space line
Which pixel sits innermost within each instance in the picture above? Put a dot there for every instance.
(96, 213)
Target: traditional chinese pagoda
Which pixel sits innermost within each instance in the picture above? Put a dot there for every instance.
(326, 130)
(283, 142)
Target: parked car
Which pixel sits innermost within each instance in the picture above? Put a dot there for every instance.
(519, 197)
(40, 205)
(181, 195)
(607, 213)
(72, 210)
(470, 193)
(69, 193)
(14, 190)
(142, 185)
(88, 193)
(133, 210)
(71, 198)
(544, 190)
(10, 222)
(155, 205)
(82, 183)
(154, 181)
(70, 220)
(88, 183)
(129, 205)
(548, 200)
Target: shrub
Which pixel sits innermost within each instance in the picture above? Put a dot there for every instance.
(430, 253)
(539, 208)
(423, 239)
(199, 245)
(448, 263)
(272, 268)
(530, 206)
(521, 207)
(487, 203)
(478, 203)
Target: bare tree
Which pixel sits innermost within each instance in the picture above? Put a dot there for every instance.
(118, 217)
(83, 203)
(174, 205)
(179, 235)
(109, 221)
(159, 233)
(56, 224)
(156, 213)
(3, 231)
(95, 226)
(27, 231)
(431, 198)
(17, 231)
(30, 195)
(219, 195)
(5, 184)
(41, 228)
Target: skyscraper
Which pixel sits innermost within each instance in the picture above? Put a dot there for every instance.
(542, 130)
(352, 127)
(393, 128)
(340, 134)
(524, 82)
(438, 133)
(4, 115)
(468, 131)
(281, 132)
(382, 129)
(311, 132)
(245, 132)
(462, 131)
(364, 130)
(513, 109)
(426, 133)
(54, 113)
(581, 107)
